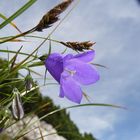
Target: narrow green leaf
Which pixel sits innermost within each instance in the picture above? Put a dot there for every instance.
(32, 71)
(64, 51)
(13, 24)
(13, 60)
(61, 132)
(17, 13)
(99, 65)
(36, 64)
(22, 53)
(50, 46)
(10, 83)
(41, 134)
(83, 105)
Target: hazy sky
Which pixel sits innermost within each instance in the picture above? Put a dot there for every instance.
(115, 26)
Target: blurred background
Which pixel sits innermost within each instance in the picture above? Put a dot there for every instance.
(115, 26)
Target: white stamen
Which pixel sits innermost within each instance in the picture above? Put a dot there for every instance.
(72, 72)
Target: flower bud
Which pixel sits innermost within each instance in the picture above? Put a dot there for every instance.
(17, 108)
(28, 82)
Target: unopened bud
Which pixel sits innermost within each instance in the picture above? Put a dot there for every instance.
(28, 82)
(17, 108)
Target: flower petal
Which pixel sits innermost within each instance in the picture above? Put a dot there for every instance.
(61, 92)
(71, 88)
(68, 57)
(54, 64)
(86, 57)
(83, 73)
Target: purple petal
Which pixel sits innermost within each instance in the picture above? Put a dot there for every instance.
(61, 92)
(86, 57)
(83, 73)
(54, 64)
(68, 57)
(71, 88)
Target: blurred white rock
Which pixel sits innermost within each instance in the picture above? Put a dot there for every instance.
(34, 129)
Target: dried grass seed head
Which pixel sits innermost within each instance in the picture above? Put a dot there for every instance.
(52, 16)
(79, 46)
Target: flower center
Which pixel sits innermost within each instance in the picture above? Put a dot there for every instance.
(71, 72)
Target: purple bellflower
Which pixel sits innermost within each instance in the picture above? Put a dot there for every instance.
(71, 71)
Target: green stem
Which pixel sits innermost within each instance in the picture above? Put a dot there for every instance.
(19, 35)
(43, 38)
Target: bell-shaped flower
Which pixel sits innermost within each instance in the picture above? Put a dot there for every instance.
(72, 71)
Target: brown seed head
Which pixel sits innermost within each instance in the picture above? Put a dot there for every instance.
(79, 46)
(52, 16)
